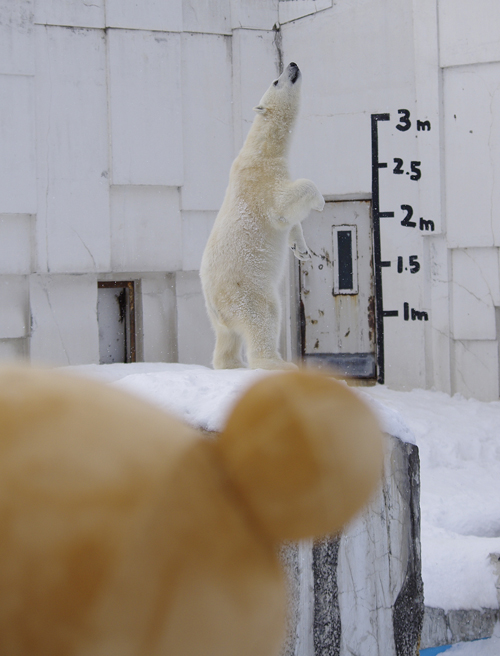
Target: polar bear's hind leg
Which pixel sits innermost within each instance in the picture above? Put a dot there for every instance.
(227, 353)
(262, 335)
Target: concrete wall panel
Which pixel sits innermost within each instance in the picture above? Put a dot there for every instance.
(472, 155)
(13, 349)
(207, 120)
(14, 304)
(290, 10)
(468, 31)
(146, 229)
(16, 237)
(145, 107)
(64, 319)
(73, 217)
(196, 228)
(476, 291)
(361, 72)
(17, 153)
(208, 16)
(76, 13)
(323, 150)
(437, 260)
(254, 14)
(255, 66)
(195, 337)
(362, 68)
(159, 318)
(162, 15)
(17, 44)
(475, 370)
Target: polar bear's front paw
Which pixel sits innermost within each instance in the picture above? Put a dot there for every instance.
(319, 203)
(301, 254)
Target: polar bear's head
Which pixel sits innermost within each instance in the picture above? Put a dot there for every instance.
(281, 101)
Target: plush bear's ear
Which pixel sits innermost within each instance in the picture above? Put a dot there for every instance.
(260, 109)
(304, 453)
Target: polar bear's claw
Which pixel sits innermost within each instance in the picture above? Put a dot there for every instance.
(301, 255)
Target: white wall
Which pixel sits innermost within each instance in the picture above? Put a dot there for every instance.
(440, 59)
(119, 123)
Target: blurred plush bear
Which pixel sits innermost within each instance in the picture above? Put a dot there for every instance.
(125, 532)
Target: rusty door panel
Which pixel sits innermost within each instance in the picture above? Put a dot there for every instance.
(338, 310)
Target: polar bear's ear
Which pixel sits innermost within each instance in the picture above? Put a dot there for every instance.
(260, 109)
(303, 452)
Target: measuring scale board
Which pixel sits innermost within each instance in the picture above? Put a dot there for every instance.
(399, 174)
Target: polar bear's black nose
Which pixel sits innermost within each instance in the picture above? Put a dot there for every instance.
(294, 72)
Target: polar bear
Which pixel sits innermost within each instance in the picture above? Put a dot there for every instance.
(244, 259)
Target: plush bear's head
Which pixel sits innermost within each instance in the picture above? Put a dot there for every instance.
(123, 532)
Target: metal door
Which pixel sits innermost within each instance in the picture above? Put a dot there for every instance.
(116, 321)
(337, 294)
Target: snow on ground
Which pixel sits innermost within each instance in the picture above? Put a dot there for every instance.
(459, 444)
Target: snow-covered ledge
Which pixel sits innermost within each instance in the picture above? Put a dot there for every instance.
(361, 592)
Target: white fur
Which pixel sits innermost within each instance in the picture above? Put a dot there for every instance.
(244, 260)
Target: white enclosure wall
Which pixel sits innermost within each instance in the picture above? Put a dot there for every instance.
(440, 61)
(119, 122)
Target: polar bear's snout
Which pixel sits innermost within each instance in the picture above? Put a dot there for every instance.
(293, 72)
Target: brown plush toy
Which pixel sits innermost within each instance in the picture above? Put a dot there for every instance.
(123, 532)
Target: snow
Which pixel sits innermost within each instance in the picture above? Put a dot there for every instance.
(459, 445)
(201, 396)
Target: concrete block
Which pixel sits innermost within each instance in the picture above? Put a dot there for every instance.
(17, 44)
(208, 17)
(361, 592)
(13, 349)
(290, 10)
(16, 237)
(441, 628)
(472, 155)
(146, 228)
(17, 136)
(475, 369)
(468, 32)
(64, 319)
(207, 119)
(255, 65)
(254, 14)
(159, 330)
(196, 228)
(76, 13)
(475, 292)
(152, 15)
(195, 337)
(72, 149)
(145, 107)
(14, 301)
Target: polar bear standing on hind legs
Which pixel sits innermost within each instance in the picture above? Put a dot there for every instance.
(244, 260)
